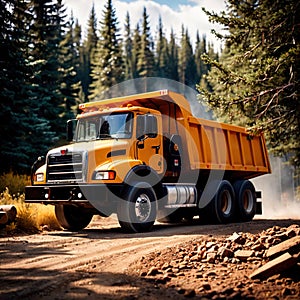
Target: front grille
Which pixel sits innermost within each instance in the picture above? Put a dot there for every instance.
(68, 167)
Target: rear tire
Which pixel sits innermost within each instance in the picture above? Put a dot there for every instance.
(222, 207)
(137, 212)
(71, 217)
(245, 199)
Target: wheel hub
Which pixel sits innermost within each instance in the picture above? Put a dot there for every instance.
(143, 207)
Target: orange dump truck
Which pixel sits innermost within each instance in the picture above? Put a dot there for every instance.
(145, 157)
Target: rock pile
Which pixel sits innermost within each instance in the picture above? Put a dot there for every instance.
(241, 266)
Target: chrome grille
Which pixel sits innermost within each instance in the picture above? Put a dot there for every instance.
(68, 167)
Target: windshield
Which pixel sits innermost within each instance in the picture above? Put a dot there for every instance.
(113, 126)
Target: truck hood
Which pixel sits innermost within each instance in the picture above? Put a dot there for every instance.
(96, 153)
(79, 161)
(99, 152)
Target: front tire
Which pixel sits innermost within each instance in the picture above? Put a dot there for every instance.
(71, 217)
(137, 212)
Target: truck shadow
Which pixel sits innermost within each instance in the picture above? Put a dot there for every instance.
(63, 284)
(113, 231)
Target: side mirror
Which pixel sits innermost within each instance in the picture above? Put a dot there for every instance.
(146, 127)
(71, 125)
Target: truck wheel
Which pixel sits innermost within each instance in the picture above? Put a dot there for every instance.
(71, 217)
(246, 200)
(222, 206)
(137, 212)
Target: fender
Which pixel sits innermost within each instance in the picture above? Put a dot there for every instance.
(144, 173)
(121, 167)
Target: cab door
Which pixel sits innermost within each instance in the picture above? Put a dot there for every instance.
(149, 141)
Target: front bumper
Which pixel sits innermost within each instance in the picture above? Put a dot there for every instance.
(92, 195)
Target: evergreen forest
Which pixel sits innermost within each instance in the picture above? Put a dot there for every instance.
(49, 65)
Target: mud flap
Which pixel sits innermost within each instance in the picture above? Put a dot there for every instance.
(258, 210)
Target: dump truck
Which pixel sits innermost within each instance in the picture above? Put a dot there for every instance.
(146, 158)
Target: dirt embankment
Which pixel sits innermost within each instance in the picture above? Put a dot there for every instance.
(172, 261)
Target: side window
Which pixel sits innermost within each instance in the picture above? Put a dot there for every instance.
(139, 127)
(80, 132)
(151, 126)
(91, 131)
(146, 126)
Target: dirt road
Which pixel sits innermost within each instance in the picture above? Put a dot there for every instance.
(94, 263)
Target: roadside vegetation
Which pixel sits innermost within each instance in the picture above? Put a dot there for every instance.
(30, 217)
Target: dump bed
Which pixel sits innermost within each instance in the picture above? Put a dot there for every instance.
(219, 146)
(227, 147)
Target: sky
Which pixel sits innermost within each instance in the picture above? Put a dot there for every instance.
(174, 14)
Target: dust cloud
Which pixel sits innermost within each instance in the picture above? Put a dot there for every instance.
(278, 196)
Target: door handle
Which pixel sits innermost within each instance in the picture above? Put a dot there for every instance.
(156, 148)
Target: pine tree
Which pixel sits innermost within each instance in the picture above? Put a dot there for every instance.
(145, 65)
(162, 54)
(136, 45)
(107, 62)
(69, 64)
(128, 50)
(78, 65)
(187, 67)
(23, 127)
(256, 82)
(201, 48)
(87, 52)
(46, 32)
(173, 58)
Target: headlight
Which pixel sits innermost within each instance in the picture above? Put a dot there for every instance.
(105, 175)
(39, 177)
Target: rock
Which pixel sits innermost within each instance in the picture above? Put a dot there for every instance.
(210, 244)
(236, 295)
(293, 230)
(153, 271)
(189, 293)
(228, 291)
(211, 257)
(206, 286)
(286, 292)
(180, 291)
(236, 238)
(243, 255)
(143, 273)
(225, 252)
(291, 233)
(292, 245)
(275, 266)
(164, 279)
(211, 273)
(258, 247)
(165, 266)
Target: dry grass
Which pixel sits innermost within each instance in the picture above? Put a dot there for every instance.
(30, 217)
(14, 182)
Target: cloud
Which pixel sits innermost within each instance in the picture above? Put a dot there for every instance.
(189, 15)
